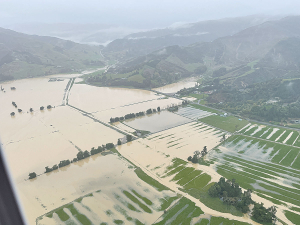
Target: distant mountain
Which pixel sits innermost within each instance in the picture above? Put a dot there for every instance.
(24, 55)
(143, 43)
(96, 34)
(255, 54)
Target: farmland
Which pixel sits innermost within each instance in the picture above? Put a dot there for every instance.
(147, 180)
(280, 135)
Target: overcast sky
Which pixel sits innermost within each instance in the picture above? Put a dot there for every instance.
(137, 13)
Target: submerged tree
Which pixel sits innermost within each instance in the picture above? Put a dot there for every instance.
(64, 163)
(32, 175)
(149, 111)
(129, 138)
(48, 170)
(109, 145)
(119, 142)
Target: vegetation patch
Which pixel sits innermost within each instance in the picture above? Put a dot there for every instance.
(229, 123)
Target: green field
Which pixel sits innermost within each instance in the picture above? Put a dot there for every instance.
(229, 123)
(276, 182)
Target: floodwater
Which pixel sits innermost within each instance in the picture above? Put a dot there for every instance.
(183, 140)
(157, 121)
(105, 115)
(93, 99)
(35, 140)
(109, 173)
(173, 88)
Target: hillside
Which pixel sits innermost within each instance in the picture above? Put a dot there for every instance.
(142, 43)
(24, 55)
(248, 57)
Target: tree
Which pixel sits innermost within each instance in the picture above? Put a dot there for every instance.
(12, 114)
(158, 109)
(205, 149)
(32, 175)
(189, 158)
(119, 142)
(214, 190)
(149, 111)
(129, 138)
(19, 110)
(48, 170)
(112, 120)
(195, 159)
(109, 145)
(49, 106)
(80, 155)
(64, 163)
(86, 154)
(75, 160)
(224, 137)
(154, 110)
(42, 108)
(31, 109)
(121, 118)
(117, 119)
(263, 215)
(55, 167)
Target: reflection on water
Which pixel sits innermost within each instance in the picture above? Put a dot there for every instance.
(157, 121)
(94, 99)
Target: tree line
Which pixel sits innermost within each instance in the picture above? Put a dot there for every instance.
(231, 194)
(80, 155)
(134, 115)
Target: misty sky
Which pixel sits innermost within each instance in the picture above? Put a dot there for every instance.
(137, 13)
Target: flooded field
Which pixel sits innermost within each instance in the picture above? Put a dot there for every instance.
(264, 150)
(30, 93)
(157, 121)
(105, 115)
(268, 168)
(173, 88)
(183, 140)
(135, 184)
(193, 113)
(94, 99)
(280, 135)
(110, 189)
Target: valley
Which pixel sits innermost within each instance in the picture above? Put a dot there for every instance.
(147, 180)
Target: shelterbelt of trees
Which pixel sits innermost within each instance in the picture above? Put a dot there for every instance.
(134, 115)
(80, 155)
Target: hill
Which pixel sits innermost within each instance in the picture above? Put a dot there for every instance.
(247, 57)
(24, 55)
(143, 43)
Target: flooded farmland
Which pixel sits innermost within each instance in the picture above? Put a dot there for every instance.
(133, 183)
(157, 122)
